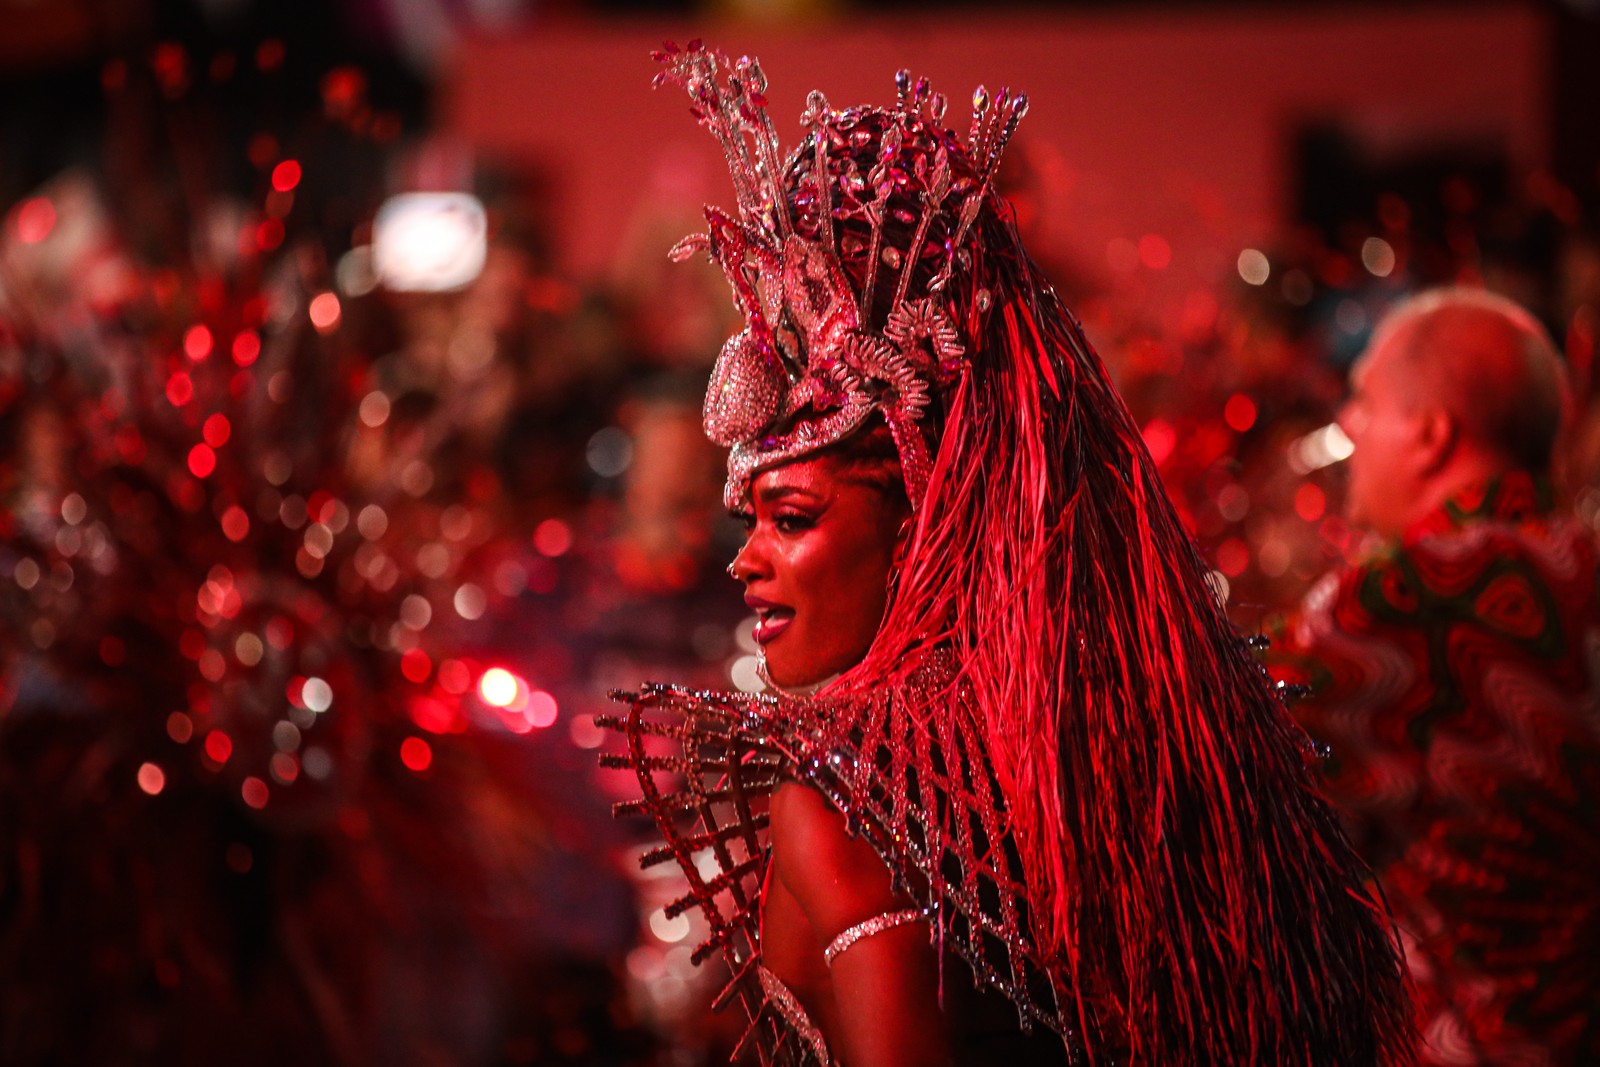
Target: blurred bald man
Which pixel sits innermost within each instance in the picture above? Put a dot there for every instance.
(1453, 681)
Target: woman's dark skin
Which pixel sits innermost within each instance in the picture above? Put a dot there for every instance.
(821, 544)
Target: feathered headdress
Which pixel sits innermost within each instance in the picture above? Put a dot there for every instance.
(1191, 894)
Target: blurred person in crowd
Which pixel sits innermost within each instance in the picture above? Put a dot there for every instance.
(1451, 678)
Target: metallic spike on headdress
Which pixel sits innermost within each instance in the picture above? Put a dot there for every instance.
(819, 355)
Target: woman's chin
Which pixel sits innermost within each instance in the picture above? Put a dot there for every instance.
(791, 678)
(789, 673)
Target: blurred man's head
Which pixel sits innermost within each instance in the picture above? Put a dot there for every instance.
(1457, 385)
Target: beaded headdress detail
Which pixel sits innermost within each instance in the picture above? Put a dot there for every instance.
(890, 191)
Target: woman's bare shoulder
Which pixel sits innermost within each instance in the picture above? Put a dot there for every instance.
(837, 878)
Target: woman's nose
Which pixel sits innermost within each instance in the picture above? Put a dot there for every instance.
(747, 565)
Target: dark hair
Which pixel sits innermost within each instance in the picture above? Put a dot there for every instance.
(870, 456)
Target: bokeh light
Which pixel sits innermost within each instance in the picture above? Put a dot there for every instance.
(152, 779)
(219, 746)
(325, 312)
(286, 175)
(416, 754)
(317, 695)
(499, 687)
(35, 218)
(542, 709)
(1377, 255)
(1254, 267)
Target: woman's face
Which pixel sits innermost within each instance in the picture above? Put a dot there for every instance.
(815, 566)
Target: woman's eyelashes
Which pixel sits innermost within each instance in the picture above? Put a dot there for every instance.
(786, 521)
(793, 521)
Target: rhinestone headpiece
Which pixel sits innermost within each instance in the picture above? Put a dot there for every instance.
(890, 191)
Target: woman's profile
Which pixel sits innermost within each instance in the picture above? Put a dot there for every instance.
(1014, 745)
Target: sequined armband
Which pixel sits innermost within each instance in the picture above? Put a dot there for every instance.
(875, 925)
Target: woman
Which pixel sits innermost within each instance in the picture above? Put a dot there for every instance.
(1015, 739)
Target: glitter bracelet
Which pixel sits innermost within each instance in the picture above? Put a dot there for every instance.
(875, 925)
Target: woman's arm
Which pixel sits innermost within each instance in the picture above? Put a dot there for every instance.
(885, 986)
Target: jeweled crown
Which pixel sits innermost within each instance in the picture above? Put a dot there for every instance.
(891, 192)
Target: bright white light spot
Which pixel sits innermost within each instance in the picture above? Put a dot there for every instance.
(498, 686)
(669, 930)
(1377, 255)
(744, 674)
(1339, 446)
(1319, 448)
(1254, 267)
(316, 695)
(429, 242)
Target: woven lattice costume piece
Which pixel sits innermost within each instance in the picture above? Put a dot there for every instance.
(911, 778)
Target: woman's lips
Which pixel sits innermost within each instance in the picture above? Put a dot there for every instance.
(771, 623)
(771, 618)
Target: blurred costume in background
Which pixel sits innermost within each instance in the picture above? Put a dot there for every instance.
(1452, 677)
(1063, 753)
(250, 808)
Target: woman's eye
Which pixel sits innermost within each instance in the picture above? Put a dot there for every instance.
(793, 522)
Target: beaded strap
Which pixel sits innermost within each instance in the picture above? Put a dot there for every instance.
(875, 925)
(782, 997)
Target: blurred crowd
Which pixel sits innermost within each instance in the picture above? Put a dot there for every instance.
(310, 588)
